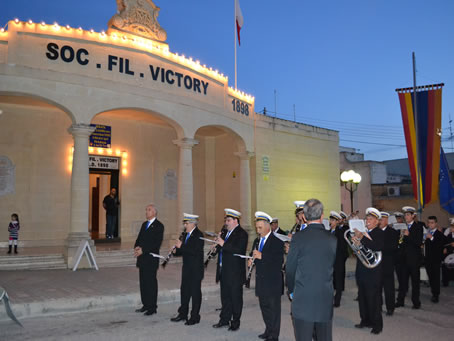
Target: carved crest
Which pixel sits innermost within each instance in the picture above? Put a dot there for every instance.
(138, 17)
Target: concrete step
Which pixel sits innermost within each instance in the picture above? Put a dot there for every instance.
(114, 258)
(32, 262)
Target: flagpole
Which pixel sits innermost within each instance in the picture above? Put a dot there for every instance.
(234, 34)
(418, 161)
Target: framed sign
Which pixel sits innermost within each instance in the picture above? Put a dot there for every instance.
(101, 137)
(103, 162)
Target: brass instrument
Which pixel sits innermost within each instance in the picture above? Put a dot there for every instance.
(369, 258)
(214, 251)
(170, 254)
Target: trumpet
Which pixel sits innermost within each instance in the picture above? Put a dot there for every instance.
(369, 258)
(214, 251)
(170, 254)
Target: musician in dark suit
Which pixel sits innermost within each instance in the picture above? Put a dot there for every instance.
(400, 257)
(341, 255)
(447, 274)
(268, 258)
(231, 271)
(391, 240)
(191, 248)
(433, 245)
(369, 280)
(275, 227)
(300, 220)
(411, 249)
(148, 241)
(309, 276)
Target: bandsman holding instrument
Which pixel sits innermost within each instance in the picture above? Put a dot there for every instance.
(412, 256)
(389, 257)
(275, 227)
(369, 276)
(341, 255)
(191, 248)
(268, 259)
(300, 223)
(434, 242)
(231, 271)
(447, 273)
(400, 258)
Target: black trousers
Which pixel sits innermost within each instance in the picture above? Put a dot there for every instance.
(339, 279)
(190, 288)
(433, 271)
(148, 287)
(447, 275)
(231, 300)
(304, 330)
(271, 313)
(410, 271)
(388, 288)
(399, 269)
(369, 299)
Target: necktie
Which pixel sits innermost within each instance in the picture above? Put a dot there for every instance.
(220, 253)
(409, 225)
(187, 237)
(262, 241)
(303, 226)
(149, 224)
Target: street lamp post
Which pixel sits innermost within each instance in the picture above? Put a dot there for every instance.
(351, 179)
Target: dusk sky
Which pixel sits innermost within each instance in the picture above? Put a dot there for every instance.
(337, 63)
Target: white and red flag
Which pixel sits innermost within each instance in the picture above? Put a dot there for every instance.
(239, 19)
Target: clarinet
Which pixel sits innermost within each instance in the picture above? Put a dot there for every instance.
(255, 245)
(296, 228)
(181, 238)
(214, 251)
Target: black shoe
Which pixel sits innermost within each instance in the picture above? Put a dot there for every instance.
(356, 299)
(9, 250)
(141, 310)
(390, 313)
(271, 339)
(399, 304)
(263, 336)
(178, 318)
(15, 248)
(150, 312)
(234, 327)
(434, 299)
(220, 324)
(416, 306)
(362, 325)
(336, 305)
(375, 331)
(192, 321)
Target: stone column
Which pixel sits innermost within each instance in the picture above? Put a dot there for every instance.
(245, 189)
(185, 180)
(80, 191)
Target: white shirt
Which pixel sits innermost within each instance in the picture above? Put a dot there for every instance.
(266, 238)
(150, 222)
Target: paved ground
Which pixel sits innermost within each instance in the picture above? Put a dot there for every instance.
(101, 312)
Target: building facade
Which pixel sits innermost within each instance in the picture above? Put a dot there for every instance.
(179, 137)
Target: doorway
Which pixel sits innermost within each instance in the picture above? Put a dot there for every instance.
(101, 181)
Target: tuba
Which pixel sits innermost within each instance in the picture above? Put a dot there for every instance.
(369, 258)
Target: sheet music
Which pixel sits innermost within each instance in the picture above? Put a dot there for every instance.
(157, 256)
(208, 240)
(242, 256)
(392, 219)
(326, 224)
(282, 237)
(400, 226)
(357, 224)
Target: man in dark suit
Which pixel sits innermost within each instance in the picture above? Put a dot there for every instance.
(268, 258)
(191, 248)
(231, 271)
(148, 241)
(400, 257)
(391, 241)
(433, 245)
(411, 250)
(369, 280)
(341, 255)
(309, 276)
(275, 227)
(447, 274)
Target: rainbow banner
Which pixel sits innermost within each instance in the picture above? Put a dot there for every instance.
(426, 138)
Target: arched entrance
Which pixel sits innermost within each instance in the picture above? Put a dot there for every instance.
(34, 137)
(218, 177)
(142, 142)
